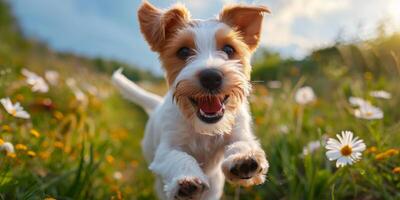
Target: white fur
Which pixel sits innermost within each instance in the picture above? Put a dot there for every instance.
(131, 91)
(181, 150)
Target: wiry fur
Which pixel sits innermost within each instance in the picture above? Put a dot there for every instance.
(192, 158)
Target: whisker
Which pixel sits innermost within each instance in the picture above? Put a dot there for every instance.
(258, 81)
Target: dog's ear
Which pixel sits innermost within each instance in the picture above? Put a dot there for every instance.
(245, 19)
(158, 25)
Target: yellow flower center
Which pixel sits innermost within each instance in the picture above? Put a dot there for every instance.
(13, 112)
(346, 150)
(368, 114)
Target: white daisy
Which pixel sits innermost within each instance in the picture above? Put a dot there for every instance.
(284, 129)
(314, 145)
(368, 112)
(79, 95)
(274, 84)
(305, 95)
(38, 84)
(357, 101)
(52, 76)
(381, 94)
(15, 110)
(7, 147)
(311, 147)
(117, 175)
(91, 89)
(346, 150)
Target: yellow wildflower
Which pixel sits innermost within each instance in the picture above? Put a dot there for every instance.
(49, 198)
(1, 142)
(11, 155)
(6, 128)
(31, 154)
(372, 149)
(391, 152)
(58, 144)
(67, 149)
(396, 170)
(380, 156)
(110, 159)
(387, 154)
(44, 155)
(35, 133)
(58, 115)
(21, 147)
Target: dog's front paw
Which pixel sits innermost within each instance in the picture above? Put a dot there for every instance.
(189, 188)
(246, 169)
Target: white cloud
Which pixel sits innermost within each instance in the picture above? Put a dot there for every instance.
(278, 27)
(393, 8)
(298, 26)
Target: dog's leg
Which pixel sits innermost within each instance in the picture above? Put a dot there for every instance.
(181, 174)
(217, 181)
(245, 163)
(244, 160)
(159, 188)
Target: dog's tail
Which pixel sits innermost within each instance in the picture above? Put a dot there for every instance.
(134, 93)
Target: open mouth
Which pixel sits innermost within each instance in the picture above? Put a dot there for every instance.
(210, 109)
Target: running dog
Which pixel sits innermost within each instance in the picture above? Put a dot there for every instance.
(200, 132)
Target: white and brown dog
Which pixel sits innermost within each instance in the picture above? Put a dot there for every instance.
(200, 132)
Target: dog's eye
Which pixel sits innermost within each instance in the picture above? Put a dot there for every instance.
(183, 53)
(229, 50)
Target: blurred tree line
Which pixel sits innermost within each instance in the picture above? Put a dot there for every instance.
(380, 55)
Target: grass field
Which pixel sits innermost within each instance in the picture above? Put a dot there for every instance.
(82, 140)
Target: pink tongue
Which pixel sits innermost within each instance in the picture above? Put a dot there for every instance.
(210, 105)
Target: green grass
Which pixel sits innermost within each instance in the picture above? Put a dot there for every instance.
(83, 150)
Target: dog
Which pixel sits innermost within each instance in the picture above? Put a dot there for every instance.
(200, 132)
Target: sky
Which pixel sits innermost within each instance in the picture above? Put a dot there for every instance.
(109, 28)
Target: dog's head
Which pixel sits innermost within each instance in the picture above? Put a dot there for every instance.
(207, 62)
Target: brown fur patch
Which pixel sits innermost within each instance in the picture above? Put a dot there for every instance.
(245, 19)
(168, 54)
(157, 25)
(227, 36)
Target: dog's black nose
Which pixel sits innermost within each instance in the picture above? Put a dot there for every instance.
(211, 79)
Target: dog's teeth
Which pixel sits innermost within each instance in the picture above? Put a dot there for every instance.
(220, 112)
(207, 115)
